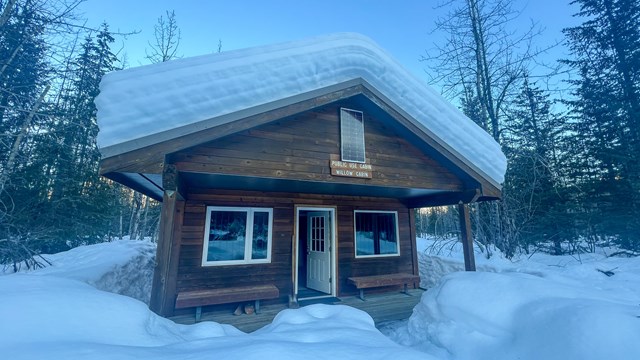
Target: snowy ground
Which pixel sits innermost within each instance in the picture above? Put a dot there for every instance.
(543, 307)
(537, 307)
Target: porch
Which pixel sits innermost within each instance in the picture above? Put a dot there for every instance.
(382, 307)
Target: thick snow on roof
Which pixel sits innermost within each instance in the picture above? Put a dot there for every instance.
(140, 106)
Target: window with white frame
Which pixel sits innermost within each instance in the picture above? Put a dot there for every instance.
(235, 235)
(352, 135)
(376, 233)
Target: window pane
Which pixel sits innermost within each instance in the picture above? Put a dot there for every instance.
(260, 243)
(376, 234)
(387, 234)
(227, 233)
(364, 234)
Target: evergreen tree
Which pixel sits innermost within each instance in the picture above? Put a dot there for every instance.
(606, 111)
(51, 196)
(534, 189)
(80, 199)
(24, 73)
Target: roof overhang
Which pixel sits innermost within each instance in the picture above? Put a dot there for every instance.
(151, 185)
(148, 184)
(138, 163)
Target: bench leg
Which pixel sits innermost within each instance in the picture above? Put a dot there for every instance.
(406, 291)
(198, 313)
(362, 294)
(257, 306)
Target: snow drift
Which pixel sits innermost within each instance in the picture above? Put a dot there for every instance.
(54, 313)
(543, 307)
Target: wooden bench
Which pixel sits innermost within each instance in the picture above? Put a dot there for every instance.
(365, 282)
(200, 298)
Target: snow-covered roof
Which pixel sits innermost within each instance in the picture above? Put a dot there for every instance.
(141, 106)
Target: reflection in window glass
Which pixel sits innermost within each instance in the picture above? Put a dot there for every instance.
(227, 231)
(260, 235)
(376, 233)
(235, 235)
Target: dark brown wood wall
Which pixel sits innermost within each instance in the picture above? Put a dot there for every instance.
(191, 275)
(299, 148)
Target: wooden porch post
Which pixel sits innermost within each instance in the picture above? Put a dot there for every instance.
(163, 290)
(412, 235)
(467, 237)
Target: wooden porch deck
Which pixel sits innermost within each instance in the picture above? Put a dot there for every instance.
(382, 307)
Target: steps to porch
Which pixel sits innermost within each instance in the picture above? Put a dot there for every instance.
(381, 307)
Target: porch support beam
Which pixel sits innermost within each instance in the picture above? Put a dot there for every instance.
(171, 180)
(414, 239)
(467, 237)
(163, 288)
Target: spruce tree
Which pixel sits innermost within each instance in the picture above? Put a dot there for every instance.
(534, 188)
(606, 111)
(77, 191)
(24, 83)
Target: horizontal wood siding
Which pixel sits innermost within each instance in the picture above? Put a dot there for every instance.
(192, 276)
(299, 148)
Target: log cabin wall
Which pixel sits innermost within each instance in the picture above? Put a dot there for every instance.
(191, 275)
(299, 148)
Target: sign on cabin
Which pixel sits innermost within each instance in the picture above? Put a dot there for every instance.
(350, 169)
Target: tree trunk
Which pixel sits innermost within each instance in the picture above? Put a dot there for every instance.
(16, 144)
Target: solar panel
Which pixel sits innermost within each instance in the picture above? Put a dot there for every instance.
(352, 135)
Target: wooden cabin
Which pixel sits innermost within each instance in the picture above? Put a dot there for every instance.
(285, 172)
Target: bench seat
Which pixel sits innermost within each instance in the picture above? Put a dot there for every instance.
(200, 298)
(373, 281)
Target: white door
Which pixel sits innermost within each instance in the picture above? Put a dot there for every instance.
(319, 251)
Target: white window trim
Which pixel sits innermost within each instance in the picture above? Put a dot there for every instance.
(355, 238)
(364, 149)
(248, 236)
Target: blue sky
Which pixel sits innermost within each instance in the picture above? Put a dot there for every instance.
(403, 28)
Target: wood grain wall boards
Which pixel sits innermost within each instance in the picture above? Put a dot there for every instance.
(299, 148)
(149, 158)
(293, 121)
(191, 275)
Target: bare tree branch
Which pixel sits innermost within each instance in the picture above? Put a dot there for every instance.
(167, 39)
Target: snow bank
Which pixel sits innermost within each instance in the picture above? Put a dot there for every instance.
(54, 313)
(89, 263)
(56, 318)
(438, 257)
(543, 307)
(123, 267)
(182, 96)
(509, 316)
(325, 332)
(538, 307)
(49, 309)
